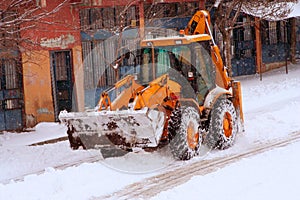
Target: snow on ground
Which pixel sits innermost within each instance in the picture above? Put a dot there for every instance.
(272, 106)
(271, 109)
(271, 175)
(45, 130)
(17, 158)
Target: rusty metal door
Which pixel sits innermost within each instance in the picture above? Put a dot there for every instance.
(62, 81)
(11, 95)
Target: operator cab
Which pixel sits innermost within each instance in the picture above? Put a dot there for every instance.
(189, 64)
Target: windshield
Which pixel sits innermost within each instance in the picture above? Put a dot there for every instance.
(186, 59)
(193, 63)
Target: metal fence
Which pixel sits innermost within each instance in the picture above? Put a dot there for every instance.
(243, 47)
(275, 43)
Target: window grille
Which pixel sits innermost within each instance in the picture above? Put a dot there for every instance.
(272, 32)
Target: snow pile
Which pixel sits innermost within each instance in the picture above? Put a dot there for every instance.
(41, 132)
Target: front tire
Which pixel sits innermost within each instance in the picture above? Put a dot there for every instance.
(222, 128)
(184, 135)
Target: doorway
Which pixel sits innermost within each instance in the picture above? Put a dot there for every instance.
(62, 81)
(11, 95)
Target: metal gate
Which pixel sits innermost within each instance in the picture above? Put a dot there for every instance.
(11, 95)
(243, 61)
(62, 81)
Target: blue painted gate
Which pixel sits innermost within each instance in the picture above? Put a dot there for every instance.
(11, 95)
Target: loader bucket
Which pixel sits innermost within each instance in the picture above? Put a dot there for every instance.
(123, 129)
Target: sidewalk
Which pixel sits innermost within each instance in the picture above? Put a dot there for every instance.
(44, 132)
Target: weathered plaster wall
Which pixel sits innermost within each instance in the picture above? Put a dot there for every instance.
(37, 83)
(61, 32)
(61, 41)
(37, 86)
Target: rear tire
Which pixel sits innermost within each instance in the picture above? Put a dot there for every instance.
(184, 135)
(222, 128)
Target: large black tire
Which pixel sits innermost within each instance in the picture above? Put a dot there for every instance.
(222, 128)
(184, 135)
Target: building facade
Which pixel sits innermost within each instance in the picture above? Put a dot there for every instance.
(67, 61)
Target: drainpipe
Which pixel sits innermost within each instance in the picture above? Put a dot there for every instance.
(285, 47)
(142, 19)
(258, 47)
(293, 40)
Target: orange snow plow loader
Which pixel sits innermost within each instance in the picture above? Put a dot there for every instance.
(180, 95)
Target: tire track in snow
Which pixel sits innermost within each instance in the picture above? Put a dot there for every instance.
(77, 162)
(152, 186)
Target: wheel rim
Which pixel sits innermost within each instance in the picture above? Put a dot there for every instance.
(227, 124)
(192, 136)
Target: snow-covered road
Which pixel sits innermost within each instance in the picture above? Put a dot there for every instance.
(173, 178)
(271, 109)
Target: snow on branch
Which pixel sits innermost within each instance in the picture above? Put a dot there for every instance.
(270, 10)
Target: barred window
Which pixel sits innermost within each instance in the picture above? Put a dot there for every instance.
(92, 19)
(283, 34)
(272, 32)
(247, 35)
(9, 54)
(161, 10)
(9, 69)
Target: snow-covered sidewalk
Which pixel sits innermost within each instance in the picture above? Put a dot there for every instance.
(41, 132)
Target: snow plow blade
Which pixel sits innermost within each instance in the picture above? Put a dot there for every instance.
(123, 129)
